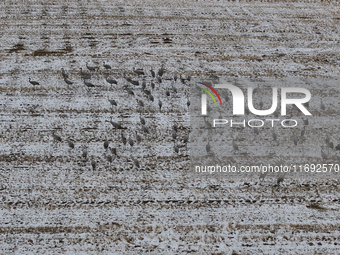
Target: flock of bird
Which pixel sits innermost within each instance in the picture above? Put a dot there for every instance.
(130, 86)
(157, 78)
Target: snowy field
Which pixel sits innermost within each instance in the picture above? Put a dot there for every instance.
(90, 200)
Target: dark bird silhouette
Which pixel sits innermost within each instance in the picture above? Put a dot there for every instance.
(160, 72)
(167, 93)
(208, 147)
(175, 77)
(142, 120)
(174, 135)
(135, 83)
(280, 179)
(56, 138)
(131, 142)
(138, 138)
(106, 144)
(263, 175)
(106, 66)
(138, 71)
(114, 124)
(160, 104)
(129, 91)
(140, 103)
(84, 153)
(70, 144)
(68, 82)
(88, 84)
(235, 146)
(64, 74)
(123, 139)
(153, 73)
(93, 164)
(112, 102)
(145, 129)
(188, 103)
(151, 98)
(111, 81)
(34, 83)
(114, 151)
(159, 79)
(91, 68)
(84, 75)
(135, 162)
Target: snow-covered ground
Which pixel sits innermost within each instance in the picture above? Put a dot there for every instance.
(52, 201)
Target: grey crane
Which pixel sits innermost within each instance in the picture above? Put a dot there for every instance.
(322, 105)
(34, 83)
(135, 162)
(160, 71)
(138, 71)
(91, 68)
(274, 135)
(56, 138)
(114, 124)
(106, 144)
(113, 151)
(337, 148)
(153, 74)
(123, 138)
(160, 104)
(143, 84)
(140, 102)
(111, 81)
(175, 127)
(84, 75)
(88, 84)
(159, 79)
(106, 66)
(145, 129)
(109, 159)
(262, 175)
(151, 98)
(138, 138)
(112, 101)
(324, 155)
(129, 91)
(133, 82)
(208, 147)
(303, 131)
(174, 135)
(64, 74)
(84, 153)
(167, 93)
(175, 77)
(131, 142)
(176, 149)
(142, 120)
(70, 144)
(305, 122)
(188, 103)
(280, 179)
(93, 164)
(67, 81)
(295, 140)
(235, 146)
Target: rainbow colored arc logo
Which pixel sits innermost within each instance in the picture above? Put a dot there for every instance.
(208, 92)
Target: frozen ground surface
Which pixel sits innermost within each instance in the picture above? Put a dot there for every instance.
(51, 199)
